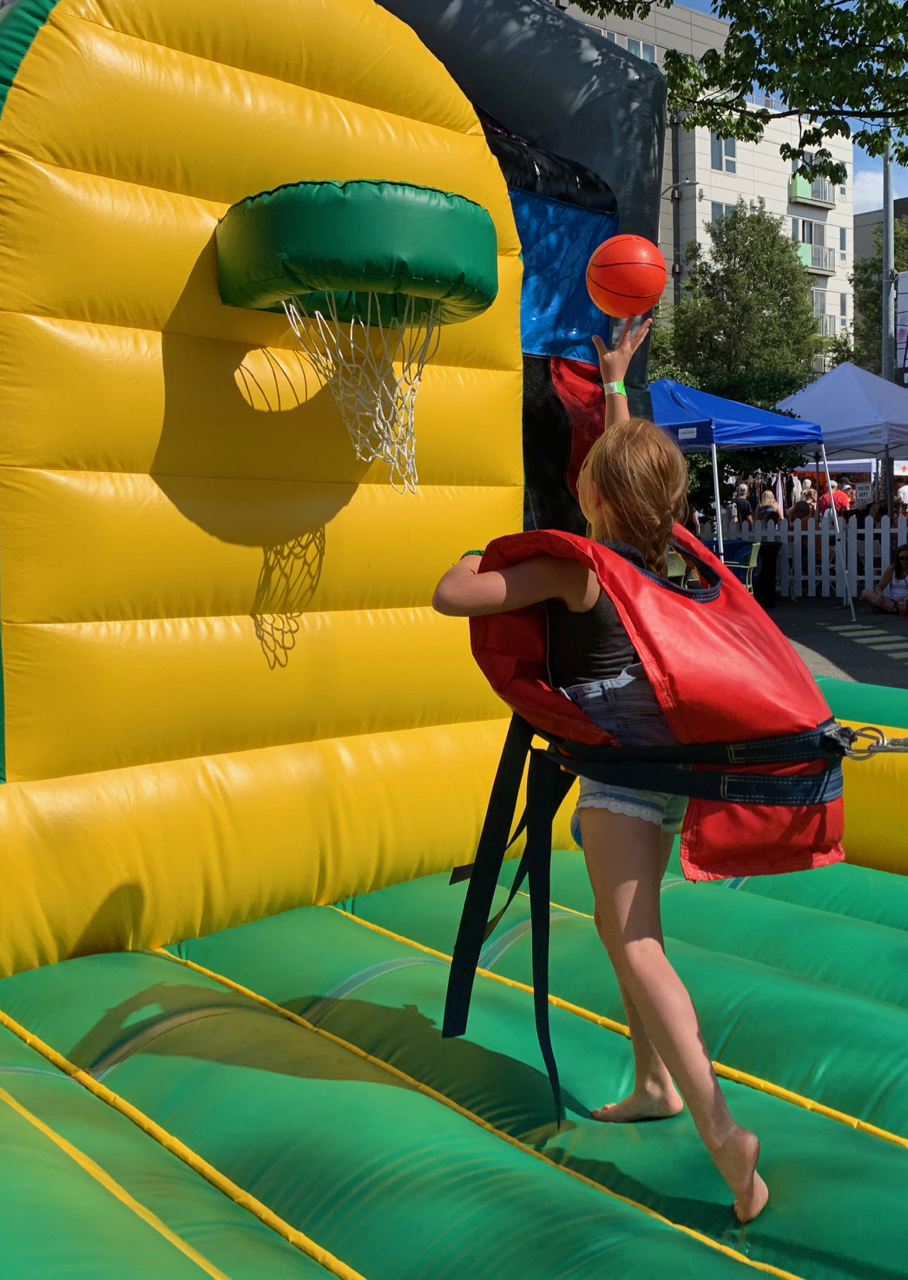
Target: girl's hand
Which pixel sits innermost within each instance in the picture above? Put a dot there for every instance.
(613, 364)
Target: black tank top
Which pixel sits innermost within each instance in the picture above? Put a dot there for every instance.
(592, 645)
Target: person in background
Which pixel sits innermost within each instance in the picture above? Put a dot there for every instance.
(809, 497)
(890, 595)
(901, 495)
(801, 510)
(768, 508)
(835, 496)
(849, 494)
(744, 512)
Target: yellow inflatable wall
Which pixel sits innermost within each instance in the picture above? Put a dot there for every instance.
(225, 691)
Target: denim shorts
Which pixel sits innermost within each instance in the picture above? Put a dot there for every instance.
(627, 707)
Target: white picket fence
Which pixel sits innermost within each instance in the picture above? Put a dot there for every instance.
(814, 561)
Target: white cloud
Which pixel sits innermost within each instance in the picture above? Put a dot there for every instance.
(867, 190)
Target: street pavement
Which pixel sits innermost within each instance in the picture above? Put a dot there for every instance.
(873, 649)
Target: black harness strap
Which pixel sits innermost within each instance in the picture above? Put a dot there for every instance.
(545, 791)
(735, 788)
(550, 777)
(483, 875)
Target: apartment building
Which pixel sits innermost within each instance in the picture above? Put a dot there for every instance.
(704, 175)
(867, 224)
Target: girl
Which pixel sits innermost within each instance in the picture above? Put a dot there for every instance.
(631, 489)
(891, 592)
(768, 508)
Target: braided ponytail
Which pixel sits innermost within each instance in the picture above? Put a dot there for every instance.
(641, 477)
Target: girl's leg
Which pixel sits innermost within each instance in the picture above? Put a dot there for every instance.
(624, 860)
(654, 1095)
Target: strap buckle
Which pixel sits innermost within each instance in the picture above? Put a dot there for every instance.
(875, 740)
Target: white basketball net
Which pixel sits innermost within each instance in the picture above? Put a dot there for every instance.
(356, 358)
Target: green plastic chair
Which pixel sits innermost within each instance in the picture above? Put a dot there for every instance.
(677, 566)
(743, 567)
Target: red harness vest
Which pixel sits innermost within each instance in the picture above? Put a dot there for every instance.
(722, 673)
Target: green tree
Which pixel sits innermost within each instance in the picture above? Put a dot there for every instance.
(744, 329)
(662, 361)
(867, 279)
(745, 326)
(840, 350)
(837, 68)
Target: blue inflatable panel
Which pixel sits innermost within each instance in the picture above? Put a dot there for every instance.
(557, 315)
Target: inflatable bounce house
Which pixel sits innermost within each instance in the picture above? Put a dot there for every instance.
(242, 754)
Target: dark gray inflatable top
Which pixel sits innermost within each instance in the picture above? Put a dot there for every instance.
(559, 84)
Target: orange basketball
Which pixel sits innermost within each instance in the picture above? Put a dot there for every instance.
(626, 276)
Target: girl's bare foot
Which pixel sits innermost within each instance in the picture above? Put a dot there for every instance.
(648, 1102)
(736, 1159)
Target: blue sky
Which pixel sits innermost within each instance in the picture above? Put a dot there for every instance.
(867, 187)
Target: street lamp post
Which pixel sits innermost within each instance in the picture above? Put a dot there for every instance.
(887, 362)
(675, 188)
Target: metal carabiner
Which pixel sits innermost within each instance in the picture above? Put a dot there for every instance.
(876, 742)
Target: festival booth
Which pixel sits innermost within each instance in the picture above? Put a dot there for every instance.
(703, 423)
(860, 414)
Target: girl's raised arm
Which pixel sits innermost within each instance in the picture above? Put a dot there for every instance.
(613, 366)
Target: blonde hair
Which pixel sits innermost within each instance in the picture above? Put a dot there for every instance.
(768, 498)
(642, 480)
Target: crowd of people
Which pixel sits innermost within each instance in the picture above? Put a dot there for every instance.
(754, 501)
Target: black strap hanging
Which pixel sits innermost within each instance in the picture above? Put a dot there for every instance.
(550, 777)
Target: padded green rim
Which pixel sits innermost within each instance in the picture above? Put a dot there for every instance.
(394, 239)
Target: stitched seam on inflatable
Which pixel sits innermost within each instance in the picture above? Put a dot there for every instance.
(726, 1073)
(293, 84)
(189, 1157)
(101, 1176)
(429, 1092)
(514, 370)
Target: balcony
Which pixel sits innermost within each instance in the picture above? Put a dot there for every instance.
(819, 192)
(827, 326)
(817, 260)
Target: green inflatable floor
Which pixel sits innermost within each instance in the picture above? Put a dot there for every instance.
(300, 1057)
(432, 1168)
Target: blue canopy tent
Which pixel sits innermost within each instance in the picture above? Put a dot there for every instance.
(702, 423)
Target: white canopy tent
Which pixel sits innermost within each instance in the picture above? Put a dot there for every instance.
(859, 412)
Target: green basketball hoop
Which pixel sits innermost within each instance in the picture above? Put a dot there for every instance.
(366, 273)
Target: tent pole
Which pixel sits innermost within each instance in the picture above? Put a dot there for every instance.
(840, 542)
(718, 502)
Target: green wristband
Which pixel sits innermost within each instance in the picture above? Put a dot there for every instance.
(472, 553)
(614, 389)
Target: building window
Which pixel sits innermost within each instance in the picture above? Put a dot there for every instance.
(843, 304)
(807, 232)
(843, 189)
(843, 245)
(610, 35)
(723, 153)
(719, 209)
(633, 46)
(818, 298)
(648, 52)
